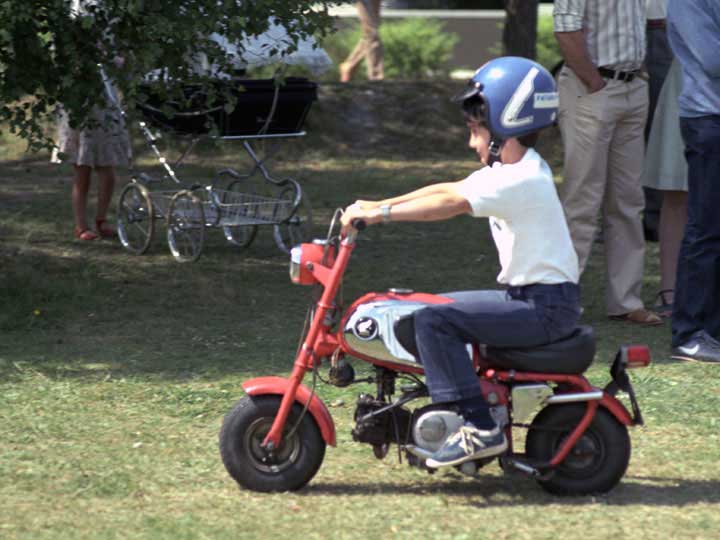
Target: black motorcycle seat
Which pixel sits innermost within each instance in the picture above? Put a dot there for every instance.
(569, 356)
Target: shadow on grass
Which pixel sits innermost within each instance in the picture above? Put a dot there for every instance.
(514, 490)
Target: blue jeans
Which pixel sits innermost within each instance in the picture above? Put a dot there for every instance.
(518, 317)
(697, 285)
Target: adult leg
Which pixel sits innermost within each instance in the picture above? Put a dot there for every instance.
(348, 67)
(375, 55)
(697, 286)
(658, 60)
(673, 216)
(586, 129)
(624, 201)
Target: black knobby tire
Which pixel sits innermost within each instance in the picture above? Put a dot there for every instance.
(295, 462)
(596, 463)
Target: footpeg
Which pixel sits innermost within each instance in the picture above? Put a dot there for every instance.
(514, 463)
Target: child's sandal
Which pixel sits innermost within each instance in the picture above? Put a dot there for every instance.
(85, 235)
(105, 230)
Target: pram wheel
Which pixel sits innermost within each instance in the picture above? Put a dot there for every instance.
(297, 228)
(239, 235)
(186, 226)
(135, 218)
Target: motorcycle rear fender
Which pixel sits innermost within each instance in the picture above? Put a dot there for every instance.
(278, 386)
(617, 409)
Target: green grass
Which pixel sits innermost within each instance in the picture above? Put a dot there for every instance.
(116, 371)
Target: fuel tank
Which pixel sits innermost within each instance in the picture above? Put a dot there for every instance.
(367, 330)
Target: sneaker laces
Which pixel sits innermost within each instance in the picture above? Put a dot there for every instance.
(469, 438)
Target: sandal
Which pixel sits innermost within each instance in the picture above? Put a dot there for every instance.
(85, 234)
(662, 306)
(105, 230)
(642, 316)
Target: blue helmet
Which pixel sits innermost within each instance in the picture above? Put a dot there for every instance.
(518, 96)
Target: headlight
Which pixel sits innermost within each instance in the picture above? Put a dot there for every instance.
(309, 254)
(295, 261)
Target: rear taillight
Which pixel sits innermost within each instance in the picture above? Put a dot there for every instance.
(635, 356)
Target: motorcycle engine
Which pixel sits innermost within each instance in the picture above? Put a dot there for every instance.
(379, 428)
(435, 424)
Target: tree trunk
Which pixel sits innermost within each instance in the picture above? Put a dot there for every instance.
(520, 31)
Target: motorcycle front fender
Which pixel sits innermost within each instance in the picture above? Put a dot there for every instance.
(278, 386)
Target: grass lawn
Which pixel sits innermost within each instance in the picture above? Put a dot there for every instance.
(116, 371)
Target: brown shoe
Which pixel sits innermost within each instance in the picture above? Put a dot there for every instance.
(642, 316)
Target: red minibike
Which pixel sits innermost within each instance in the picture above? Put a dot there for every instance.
(577, 440)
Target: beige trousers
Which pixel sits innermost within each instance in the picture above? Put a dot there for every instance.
(603, 141)
(369, 47)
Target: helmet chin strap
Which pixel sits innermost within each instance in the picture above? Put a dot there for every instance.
(494, 150)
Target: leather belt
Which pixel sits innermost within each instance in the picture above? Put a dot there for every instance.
(625, 76)
(656, 24)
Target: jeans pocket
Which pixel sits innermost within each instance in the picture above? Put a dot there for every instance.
(560, 319)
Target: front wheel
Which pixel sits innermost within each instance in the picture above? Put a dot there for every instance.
(290, 466)
(136, 218)
(595, 464)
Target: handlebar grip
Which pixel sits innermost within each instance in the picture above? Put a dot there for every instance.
(359, 224)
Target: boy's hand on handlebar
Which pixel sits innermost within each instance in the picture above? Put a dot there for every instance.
(357, 212)
(367, 205)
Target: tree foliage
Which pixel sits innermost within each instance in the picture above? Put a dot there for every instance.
(49, 54)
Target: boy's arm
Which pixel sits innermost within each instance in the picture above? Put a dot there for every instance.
(434, 203)
(418, 193)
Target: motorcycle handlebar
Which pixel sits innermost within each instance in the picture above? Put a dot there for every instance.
(359, 224)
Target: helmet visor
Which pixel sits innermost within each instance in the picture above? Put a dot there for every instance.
(472, 89)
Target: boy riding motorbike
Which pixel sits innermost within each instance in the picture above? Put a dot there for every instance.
(506, 103)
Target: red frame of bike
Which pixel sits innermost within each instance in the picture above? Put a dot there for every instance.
(320, 342)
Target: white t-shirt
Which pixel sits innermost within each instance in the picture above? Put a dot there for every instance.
(526, 219)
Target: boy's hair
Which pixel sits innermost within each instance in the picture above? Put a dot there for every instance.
(473, 109)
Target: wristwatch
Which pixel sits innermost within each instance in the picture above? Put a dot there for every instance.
(385, 212)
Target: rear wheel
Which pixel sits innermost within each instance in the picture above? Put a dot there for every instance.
(239, 235)
(290, 466)
(595, 464)
(136, 218)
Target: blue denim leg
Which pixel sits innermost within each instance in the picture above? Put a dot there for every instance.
(697, 288)
(521, 317)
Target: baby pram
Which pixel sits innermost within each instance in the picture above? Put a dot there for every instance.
(263, 111)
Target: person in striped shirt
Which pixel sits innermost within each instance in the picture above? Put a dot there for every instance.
(602, 115)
